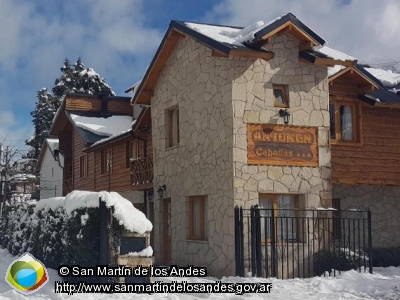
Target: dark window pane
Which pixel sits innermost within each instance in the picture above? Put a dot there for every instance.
(332, 119)
(278, 94)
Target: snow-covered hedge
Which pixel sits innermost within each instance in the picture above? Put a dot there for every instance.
(65, 230)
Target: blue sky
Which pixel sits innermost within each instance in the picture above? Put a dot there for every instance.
(118, 39)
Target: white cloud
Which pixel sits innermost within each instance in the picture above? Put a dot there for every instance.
(11, 133)
(367, 29)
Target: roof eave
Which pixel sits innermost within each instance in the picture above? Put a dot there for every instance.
(93, 147)
(143, 96)
(281, 24)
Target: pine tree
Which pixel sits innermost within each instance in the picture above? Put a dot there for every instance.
(74, 79)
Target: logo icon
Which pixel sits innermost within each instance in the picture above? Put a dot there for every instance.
(26, 274)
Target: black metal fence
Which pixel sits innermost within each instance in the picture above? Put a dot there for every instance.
(290, 243)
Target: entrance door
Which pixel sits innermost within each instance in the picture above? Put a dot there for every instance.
(166, 231)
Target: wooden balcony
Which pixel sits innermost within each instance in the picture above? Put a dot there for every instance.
(142, 172)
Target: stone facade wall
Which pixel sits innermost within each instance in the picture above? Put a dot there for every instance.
(384, 203)
(202, 163)
(253, 102)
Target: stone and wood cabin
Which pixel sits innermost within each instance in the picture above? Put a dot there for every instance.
(264, 115)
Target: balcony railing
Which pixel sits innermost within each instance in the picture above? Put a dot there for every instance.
(142, 170)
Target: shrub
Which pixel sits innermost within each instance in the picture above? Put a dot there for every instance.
(341, 259)
(53, 236)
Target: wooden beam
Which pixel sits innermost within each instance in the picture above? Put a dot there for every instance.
(144, 97)
(216, 53)
(332, 62)
(285, 30)
(275, 31)
(338, 74)
(252, 54)
(387, 105)
(294, 29)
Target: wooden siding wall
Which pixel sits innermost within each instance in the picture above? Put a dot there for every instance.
(94, 105)
(377, 160)
(84, 104)
(85, 183)
(120, 178)
(118, 106)
(148, 152)
(65, 147)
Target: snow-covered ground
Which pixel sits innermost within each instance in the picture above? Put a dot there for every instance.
(383, 284)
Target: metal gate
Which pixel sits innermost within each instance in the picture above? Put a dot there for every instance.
(290, 243)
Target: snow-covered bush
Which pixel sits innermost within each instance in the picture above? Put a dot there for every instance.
(342, 259)
(65, 230)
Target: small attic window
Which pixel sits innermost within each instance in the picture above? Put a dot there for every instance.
(281, 95)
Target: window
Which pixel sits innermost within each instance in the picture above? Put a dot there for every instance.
(285, 221)
(343, 122)
(281, 95)
(198, 218)
(83, 166)
(131, 151)
(173, 126)
(106, 165)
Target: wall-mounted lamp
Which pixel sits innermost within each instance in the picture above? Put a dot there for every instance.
(150, 195)
(161, 190)
(283, 113)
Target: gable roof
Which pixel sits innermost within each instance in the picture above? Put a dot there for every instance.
(93, 129)
(288, 22)
(232, 41)
(51, 144)
(382, 84)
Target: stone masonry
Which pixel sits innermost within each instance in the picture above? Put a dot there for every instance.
(202, 163)
(384, 203)
(217, 97)
(253, 102)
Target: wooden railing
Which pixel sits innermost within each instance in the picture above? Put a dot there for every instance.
(142, 170)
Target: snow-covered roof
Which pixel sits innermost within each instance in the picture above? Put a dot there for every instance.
(223, 34)
(240, 36)
(387, 77)
(53, 144)
(22, 177)
(134, 88)
(128, 216)
(103, 126)
(335, 54)
(112, 137)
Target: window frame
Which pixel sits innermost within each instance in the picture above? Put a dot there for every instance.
(132, 147)
(203, 218)
(285, 95)
(83, 166)
(170, 128)
(356, 122)
(106, 165)
(274, 198)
